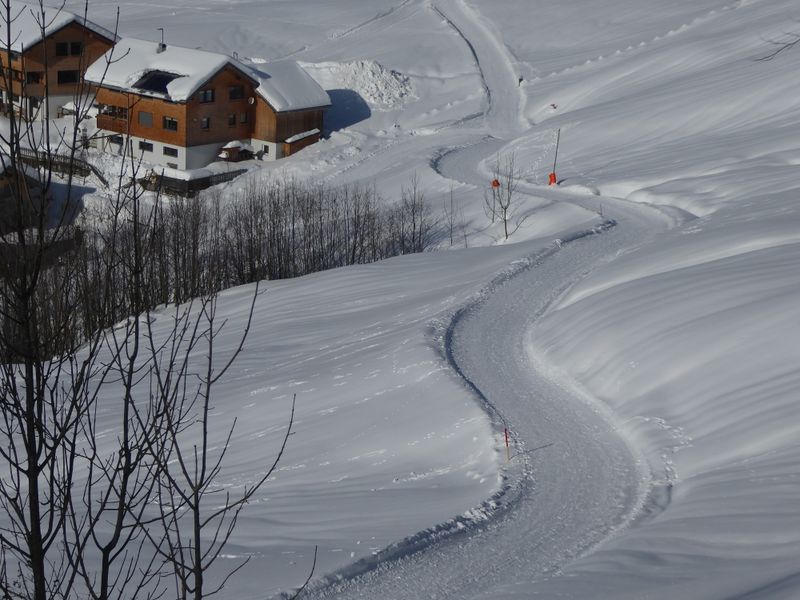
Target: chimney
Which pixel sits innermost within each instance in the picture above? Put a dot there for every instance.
(161, 46)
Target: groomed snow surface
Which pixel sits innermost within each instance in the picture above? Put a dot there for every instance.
(663, 350)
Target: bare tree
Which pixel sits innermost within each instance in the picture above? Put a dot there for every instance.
(45, 382)
(505, 200)
(78, 353)
(198, 517)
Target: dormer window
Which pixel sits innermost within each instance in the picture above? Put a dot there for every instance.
(156, 81)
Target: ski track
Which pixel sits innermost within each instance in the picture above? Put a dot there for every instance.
(378, 17)
(393, 15)
(495, 64)
(573, 480)
(699, 21)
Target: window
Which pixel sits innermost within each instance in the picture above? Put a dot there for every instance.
(170, 151)
(34, 102)
(146, 146)
(65, 77)
(172, 165)
(206, 96)
(243, 118)
(115, 139)
(236, 92)
(32, 77)
(266, 149)
(75, 48)
(205, 123)
(170, 123)
(231, 120)
(145, 118)
(62, 49)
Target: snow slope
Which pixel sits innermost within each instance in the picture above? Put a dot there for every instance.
(686, 337)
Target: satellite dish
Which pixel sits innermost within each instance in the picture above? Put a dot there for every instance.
(251, 100)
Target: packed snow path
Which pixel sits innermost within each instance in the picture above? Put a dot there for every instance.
(504, 112)
(583, 480)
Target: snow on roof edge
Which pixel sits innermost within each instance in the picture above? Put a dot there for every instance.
(61, 19)
(301, 136)
(284, 85)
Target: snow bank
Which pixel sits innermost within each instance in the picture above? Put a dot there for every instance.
(381, 88)
(693, 341)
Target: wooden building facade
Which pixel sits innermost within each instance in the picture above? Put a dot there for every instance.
(187, 108)
(48, 71)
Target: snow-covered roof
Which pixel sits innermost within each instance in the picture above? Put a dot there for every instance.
(287, 86)
(176, 73)
(301, 136)
(27, 19)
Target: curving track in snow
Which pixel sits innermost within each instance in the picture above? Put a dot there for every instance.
(503, 115)
(580, 480)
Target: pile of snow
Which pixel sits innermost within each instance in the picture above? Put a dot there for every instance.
(381, 88)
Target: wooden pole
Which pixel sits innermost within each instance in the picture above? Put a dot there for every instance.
(558, 141)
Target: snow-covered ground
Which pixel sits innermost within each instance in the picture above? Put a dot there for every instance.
(671, 339)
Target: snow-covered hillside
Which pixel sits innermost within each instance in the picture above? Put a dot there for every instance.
(670, 339)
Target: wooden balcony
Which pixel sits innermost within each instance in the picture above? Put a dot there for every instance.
(111, 123)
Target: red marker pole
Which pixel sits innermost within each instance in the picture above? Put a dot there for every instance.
(508, 449)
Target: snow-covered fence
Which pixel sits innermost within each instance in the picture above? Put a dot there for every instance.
(61, 163)
(188, 187)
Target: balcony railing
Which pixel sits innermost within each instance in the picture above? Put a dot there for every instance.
(112, 123)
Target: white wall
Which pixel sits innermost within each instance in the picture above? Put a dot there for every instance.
(274, 152)
(155, 156)
(193, 157)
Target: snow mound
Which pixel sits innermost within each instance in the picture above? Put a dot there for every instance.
(381, 88)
